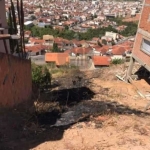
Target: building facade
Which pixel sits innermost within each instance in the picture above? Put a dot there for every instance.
(141, 48)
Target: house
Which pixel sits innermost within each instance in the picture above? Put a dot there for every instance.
(141, 48)
(59, 59)
(117, 52)
(35, 41)
(133, 19)
(35, 50)
(76, 43)
(94, 52)
(49, 40)
(80, 51)
(101, 61)
(113, 35)
(27, 34)
(121, 28)
(60, 42)
(58, 27)
(84, 43)
(67, 44)
(103, 50)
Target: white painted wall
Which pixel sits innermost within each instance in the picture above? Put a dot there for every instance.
(4, 23)
(112, 34)
(117, 57)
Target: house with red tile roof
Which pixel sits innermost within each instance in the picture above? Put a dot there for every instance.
(101, 61)
(80, 51)
(27, 34)
(116, 52)
(103, 50)
(76, 43)
(57, 27)
(59, 59)
(121, 28)
(64, 44)
(35, 50)
(35, 41)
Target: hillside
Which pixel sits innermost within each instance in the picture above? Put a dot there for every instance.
(85, 110)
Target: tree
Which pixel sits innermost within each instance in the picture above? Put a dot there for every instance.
(77, 36)
(130, 30)
(55, 48)
(49, 26)
(41, 76)
(88, 35)
(66, 27)
(104, 42)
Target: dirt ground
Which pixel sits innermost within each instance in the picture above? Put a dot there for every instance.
(126, 127)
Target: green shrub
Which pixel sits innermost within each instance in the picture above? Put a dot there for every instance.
(117, 61)
(51, 65)
(41, 76)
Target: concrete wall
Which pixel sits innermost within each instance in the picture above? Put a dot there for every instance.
(15, 80)
(4, 24)
(117, 57)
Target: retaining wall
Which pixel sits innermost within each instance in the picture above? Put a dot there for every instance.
(15, 80)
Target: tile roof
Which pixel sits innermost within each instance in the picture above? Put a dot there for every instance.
(58, 58)
(101, 60)
(116, 50)
(35, 48)
(67, 51)
(35, 40)
(81, 50)
(102, 49)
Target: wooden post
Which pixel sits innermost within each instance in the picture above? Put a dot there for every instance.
(3, 23)
(130, 68)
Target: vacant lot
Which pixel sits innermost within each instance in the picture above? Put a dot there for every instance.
(84, 110)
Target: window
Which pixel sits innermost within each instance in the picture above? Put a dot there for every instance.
(145, 47)
(37, 53)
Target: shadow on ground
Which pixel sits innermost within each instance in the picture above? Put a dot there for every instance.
(19, 131)
(143, 73)
(52, 104)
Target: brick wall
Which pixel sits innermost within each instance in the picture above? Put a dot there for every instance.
(143, 33)
(145, 58)
(145, 19)
(15, 80)
(147, 1)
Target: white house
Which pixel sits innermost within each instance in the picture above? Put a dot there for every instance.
(112, 34)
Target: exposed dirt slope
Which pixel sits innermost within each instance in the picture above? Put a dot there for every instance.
(122, 125)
